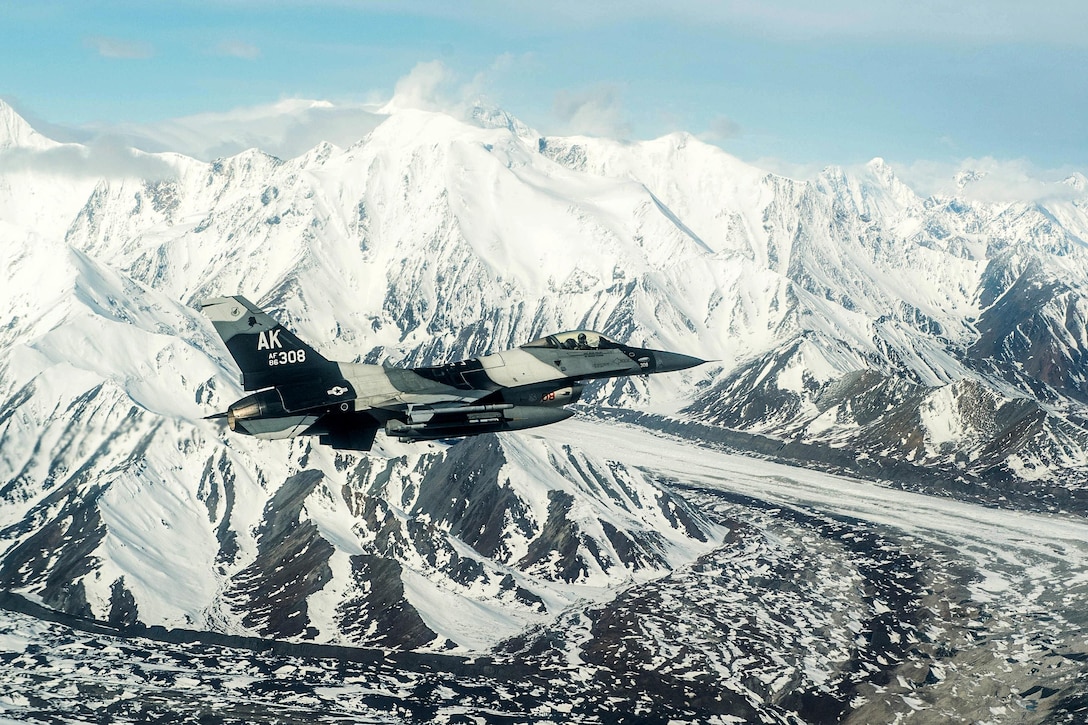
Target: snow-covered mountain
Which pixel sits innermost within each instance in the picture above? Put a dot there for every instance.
(847, 314)
(948, 333)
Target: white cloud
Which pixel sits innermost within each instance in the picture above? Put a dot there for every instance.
(427, 87)
(285, 129)
(119, 48)
(989, 180)
(721, 128)
(433, 86)
(102, 158)
(289, 127)
(596, 111)
(505, 66)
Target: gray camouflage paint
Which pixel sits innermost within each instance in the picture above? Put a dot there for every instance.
(299, 392)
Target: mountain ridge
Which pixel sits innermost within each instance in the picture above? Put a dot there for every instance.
(845, 312)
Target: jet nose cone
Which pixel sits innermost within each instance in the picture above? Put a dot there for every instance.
(668, 362)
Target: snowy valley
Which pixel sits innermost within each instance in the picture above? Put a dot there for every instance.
(920, 363)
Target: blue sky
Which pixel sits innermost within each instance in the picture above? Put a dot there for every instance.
(782, 83)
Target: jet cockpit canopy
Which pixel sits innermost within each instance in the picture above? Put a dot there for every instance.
(574, 340)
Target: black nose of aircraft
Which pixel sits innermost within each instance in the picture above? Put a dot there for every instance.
(667, 362)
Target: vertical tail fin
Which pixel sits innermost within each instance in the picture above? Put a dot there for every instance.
(266, 352)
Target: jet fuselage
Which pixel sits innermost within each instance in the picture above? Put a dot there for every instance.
(299, 392)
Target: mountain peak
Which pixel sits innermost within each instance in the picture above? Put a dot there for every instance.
(968, 176)
(1076, 180)
(15, 132)
(494, 117)
(880, 170)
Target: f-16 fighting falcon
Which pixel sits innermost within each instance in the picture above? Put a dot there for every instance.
(299, 392)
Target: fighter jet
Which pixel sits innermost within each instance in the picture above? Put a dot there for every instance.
(299, 392)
